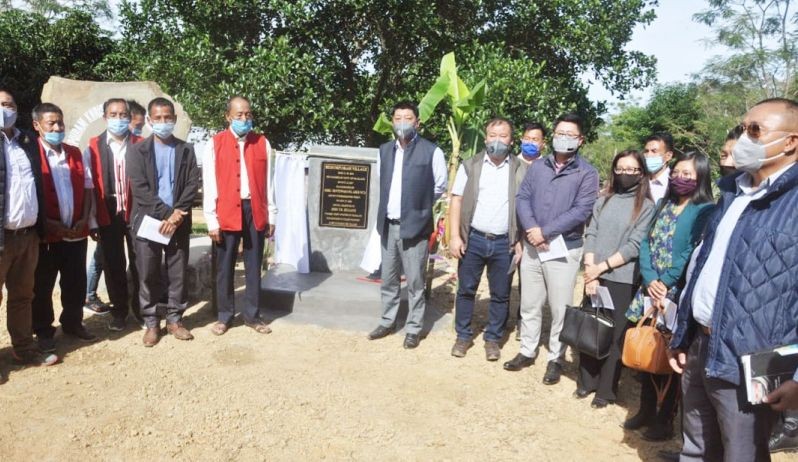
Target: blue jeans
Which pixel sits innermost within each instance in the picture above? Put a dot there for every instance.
(495, 254)
(94, 272)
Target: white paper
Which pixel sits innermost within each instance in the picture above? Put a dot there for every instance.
(557, 249)
(602, 298)
(149, 230)
(667, 317)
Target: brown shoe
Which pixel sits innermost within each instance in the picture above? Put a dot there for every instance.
(152, 336)
(460, 347)
(178, 331)
(492, 351)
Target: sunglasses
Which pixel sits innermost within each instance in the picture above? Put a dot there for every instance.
(754, 130)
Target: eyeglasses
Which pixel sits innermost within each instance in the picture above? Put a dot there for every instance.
(754, 130)
(682, 174)
(627, 171)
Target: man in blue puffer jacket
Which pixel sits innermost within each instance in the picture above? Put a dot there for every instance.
(743, 296)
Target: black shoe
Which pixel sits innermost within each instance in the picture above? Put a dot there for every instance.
(581, 393)
(519, 362)
(668, 456)
(553, 371)
(600, 403)
(96, 306)
(46, 345)
(658, 432)
(639, 420)
(380, 332)
(81, 333)
(116, 324)
(782, 441)
(411, 341)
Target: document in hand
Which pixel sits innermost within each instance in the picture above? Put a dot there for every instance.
(767, 370)
(150, 230)
(602, 298)
(557, 249)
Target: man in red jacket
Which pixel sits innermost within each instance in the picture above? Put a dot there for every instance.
(112, 194)
(67, 186)
(238, 204)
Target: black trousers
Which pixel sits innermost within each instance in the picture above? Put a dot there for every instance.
(67, 259)
(149, 258)
(602, 375)
(648, 396)
(226, 253)
(121, 276)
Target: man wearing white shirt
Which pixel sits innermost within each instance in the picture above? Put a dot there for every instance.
(23, 225)
(68, 197)
(412, 177)
(484, 232)
(238, 203)
(658, 152)
(109, 221)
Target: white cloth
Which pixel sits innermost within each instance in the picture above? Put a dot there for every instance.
(372, 257)
(59, 169)
(210, 192)
(659, 185)
(22, 205)
(291, 228)
(394, 207)
(491, 212)
(706, 284)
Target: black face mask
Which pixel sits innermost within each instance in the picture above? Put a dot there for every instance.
(726, 170)
(625, 181)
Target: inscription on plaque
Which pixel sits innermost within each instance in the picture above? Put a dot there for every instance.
(344, 195)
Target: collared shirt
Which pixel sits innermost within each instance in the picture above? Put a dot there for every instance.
(659, 185)
(491, 212)
(62, 179)
(210, 192)
(22, 205)
(706, 285)
(165, 171)
(394, 207)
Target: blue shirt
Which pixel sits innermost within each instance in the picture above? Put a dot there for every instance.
(165, 171)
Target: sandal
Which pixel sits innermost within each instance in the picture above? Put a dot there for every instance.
(259, 327)
(219, 328)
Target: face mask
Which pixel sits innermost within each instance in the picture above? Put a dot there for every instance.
(241, 127)
(497, 150)
(726, 170)
(626, 181)
(404, 130)
(749, 155)
(682, 186)
(118, 127)
(136, 131)
(8, 117)
(529, 150)
(163, 130)
(653, 164)
(565, 144)
(54, 138)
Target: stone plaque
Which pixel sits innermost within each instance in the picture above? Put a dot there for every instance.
(344, 195)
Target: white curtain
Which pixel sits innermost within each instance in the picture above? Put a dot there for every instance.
(291, 228)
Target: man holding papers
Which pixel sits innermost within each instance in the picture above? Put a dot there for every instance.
(554, 202)
(163, 180)
(484, 231)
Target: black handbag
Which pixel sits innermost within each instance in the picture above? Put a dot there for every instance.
(587, 330)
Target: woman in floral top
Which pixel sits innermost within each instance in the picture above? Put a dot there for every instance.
(664, 254)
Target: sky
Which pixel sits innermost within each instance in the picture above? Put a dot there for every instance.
(675, 40)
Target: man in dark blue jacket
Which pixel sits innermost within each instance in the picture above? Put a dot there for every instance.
(743, 295)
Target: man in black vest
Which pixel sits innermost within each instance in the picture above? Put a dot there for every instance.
(412, 177)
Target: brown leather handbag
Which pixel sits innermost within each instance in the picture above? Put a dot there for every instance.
(645, 348)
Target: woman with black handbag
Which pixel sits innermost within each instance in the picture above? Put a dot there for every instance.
(664, 255)
(621, 218)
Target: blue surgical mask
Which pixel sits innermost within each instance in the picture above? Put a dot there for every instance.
(137, 131)
(54, 138)
(241, 127)
(118, 127)
(163, 130)
(654, 163)
(8, 117)
(530, 150)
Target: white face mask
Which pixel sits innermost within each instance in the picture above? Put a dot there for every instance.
(565, 144)
(749, 155)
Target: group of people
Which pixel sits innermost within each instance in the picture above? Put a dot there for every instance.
(653, 236)
(54, 197)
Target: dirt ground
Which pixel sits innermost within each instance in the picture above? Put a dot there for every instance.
(301, 393)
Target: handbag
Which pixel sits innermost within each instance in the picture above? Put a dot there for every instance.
(587, 330)
(645, 348)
